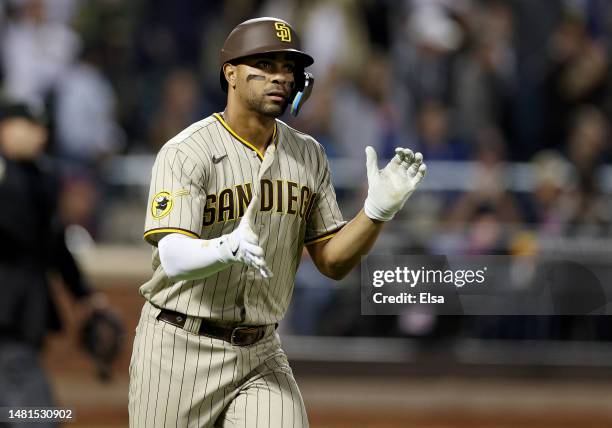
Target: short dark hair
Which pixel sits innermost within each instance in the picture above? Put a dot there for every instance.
(9, 110)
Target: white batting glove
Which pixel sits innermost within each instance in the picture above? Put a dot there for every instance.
(390, 187)
(242, 245)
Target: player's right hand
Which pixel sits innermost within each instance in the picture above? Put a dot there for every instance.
(242, 245)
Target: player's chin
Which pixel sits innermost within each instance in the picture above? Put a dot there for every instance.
(275, 109)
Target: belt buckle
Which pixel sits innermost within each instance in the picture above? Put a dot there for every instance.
(235, 330)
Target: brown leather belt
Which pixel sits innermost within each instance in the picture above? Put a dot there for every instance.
(238, 336)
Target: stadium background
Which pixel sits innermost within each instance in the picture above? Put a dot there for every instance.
(510, 103)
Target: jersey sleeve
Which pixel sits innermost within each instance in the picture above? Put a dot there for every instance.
(324, 217)
(176, 196)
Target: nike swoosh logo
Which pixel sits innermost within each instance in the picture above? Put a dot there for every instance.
(235, 252)
(218, 158)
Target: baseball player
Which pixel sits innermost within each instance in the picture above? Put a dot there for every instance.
(234, 199)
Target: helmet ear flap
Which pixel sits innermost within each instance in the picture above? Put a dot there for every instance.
(302, 91)
(299, 77)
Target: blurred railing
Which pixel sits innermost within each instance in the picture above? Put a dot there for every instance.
(135, 170)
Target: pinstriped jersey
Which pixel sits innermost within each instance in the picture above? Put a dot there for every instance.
(202, 182)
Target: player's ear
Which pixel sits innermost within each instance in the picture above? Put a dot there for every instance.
(230, 72)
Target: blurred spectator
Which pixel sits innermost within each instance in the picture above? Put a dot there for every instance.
(479, 221)
(35, 51)
(108, 27)
(168, 35)
(221, 17)
(81, 203)
(178, 107)
(61, 11)
(485, 76)
(335, 36)
(486, 234)
(435, 140)
(87, 131)
(490, 201)
(283, 9)
(553, 180)
(588, 147)
(86, 136)
(424, 50)
(376, 15)
(362, 115)
(588, 144)
(579, 73)
(589, 211)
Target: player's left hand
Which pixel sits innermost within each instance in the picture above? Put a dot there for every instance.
(390, 187)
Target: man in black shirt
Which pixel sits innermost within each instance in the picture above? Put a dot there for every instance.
(32, 245)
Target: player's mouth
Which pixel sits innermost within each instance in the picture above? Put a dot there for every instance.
(278, 96)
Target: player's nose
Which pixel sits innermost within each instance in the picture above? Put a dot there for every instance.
(281, 76)
(283, 79)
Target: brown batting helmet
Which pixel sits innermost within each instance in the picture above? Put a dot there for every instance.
(262, 35)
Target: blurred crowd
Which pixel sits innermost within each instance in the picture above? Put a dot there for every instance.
(487, 81)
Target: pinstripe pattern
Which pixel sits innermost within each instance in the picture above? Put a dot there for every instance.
(185, 166)
(179, 379)
(201, 182)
